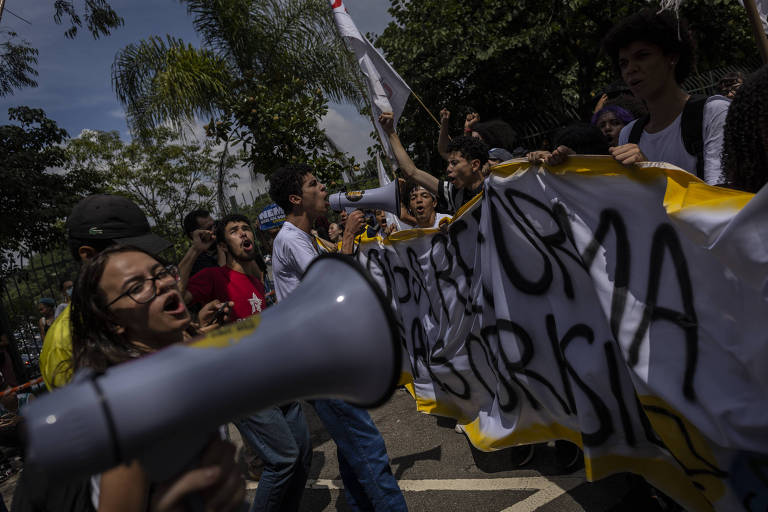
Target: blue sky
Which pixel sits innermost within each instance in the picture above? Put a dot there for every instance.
(74, 82)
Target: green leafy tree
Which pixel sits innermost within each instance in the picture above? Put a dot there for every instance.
(263, 78)
(18, 59)
(17, 64)
(524, 60)
(100, 17)
(165, 177)
(36, 193)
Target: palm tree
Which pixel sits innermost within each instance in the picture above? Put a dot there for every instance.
(247, 43)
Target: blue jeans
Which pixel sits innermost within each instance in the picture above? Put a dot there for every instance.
(363, 460)
(280, 437)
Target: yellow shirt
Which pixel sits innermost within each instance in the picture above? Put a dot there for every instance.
(56, 356)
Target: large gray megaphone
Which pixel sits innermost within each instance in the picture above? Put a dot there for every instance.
(385, 198)
(334, 336)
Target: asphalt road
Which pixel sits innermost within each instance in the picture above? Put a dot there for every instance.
(439, 471)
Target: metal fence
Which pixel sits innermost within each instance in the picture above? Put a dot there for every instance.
(30, 278)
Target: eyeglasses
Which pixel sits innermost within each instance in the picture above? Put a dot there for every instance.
(146, 289)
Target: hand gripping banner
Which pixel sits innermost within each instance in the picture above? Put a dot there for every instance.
(622, 309)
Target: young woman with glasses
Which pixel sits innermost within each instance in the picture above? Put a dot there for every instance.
(126, 304)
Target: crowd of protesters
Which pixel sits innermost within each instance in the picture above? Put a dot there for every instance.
(126, 302)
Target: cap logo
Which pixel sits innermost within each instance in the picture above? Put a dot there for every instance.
(95, 231)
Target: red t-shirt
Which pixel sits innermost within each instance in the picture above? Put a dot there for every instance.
(225, 284)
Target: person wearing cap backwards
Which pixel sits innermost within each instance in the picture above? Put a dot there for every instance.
(95, 223)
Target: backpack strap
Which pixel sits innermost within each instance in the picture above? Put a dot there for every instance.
(692, 129)
(637, 129)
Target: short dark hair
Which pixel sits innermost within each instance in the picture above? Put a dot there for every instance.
(583, 138)
(287, 181)
(222, 224)
(190, 220)
(663, 28)
(497, 134)
(98, 245)
(470, 148)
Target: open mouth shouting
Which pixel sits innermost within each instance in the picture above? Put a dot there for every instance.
(173, 304)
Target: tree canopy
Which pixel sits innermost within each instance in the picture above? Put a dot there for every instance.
(36, 193)
(263, 77)
(522, 59)
(166, 177)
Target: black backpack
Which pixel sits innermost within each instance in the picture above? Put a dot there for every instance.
(691, 126)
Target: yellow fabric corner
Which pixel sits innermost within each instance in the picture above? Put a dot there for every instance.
(56, 356)
(686, 443)
(532, 434)
(697, 194)
(661, 473)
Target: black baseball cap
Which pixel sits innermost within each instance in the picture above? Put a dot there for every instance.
(110, 217)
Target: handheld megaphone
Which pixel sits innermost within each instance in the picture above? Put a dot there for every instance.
(385, 198)
(334, 337)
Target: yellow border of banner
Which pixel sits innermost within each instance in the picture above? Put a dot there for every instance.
(684, 190)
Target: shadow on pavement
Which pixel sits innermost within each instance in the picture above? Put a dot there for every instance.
(406, 462)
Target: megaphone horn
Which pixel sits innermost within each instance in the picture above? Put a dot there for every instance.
(334, 337)
(385, 198)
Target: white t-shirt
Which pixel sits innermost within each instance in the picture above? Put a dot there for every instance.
(667, 145)
(438, 216)
(292, 252)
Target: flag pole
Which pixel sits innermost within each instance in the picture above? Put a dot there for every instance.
(757, 29)
(425, 108)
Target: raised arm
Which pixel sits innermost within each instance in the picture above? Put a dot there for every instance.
(201, 241)
(424, 179)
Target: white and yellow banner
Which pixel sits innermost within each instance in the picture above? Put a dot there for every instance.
(621, 309)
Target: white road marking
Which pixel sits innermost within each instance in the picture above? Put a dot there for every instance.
(545, 494)
(549, 488)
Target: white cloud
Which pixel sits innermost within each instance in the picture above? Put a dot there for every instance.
(117, 113)
(348, 129)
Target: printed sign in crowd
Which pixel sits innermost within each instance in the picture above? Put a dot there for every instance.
(271, 217)
(621, 309)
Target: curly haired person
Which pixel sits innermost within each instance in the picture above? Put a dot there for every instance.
(745, 144)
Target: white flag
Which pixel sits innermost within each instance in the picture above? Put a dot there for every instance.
(762, 12)
(388, 92)
(762, 9)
